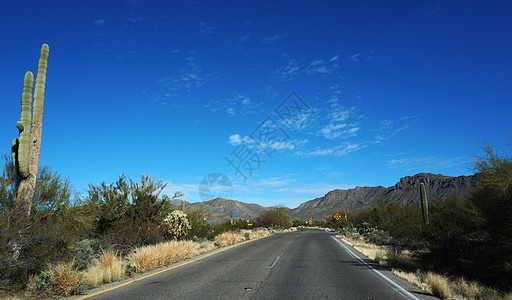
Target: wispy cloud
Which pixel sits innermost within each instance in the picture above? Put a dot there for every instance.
(269, 40)
(182, 83)
(318, 66)
(289, 71)
(341, 130)
(389, 128)
(321, 66)
(135, 19)
(99, 22)
(427, 163)
(334, 151)
(236, 140)
(356, 57)
(206, 29)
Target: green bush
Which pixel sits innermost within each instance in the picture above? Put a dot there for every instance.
(276, 217)
(493, 200)
(199, 228)
(403, 223)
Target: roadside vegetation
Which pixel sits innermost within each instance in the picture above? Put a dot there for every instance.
(71, 243)
(464, 251)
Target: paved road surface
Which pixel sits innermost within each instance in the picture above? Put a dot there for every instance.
(307, 264)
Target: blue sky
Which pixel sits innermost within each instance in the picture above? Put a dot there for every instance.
(179, 89)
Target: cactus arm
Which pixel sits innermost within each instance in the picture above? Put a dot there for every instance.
(424, 203)
(14, 153)
(37, 114)
(24, 125)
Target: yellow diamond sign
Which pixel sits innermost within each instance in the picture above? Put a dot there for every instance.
(337, 216)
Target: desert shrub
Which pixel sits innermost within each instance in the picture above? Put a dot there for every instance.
(493, 200)
(228, 238)
(403, 223)
(221, 227)
(199, 228)
(47, 235)
(176, 224)
(331, 221)
(62, 279)
(275, 217)
(153, 256)
(109, 267)
(129, 213)
(452, 233)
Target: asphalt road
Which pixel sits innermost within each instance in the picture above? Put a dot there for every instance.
(307, 264)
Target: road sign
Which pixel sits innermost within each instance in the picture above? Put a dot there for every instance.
(337, 216)
(232, 213)
(204, 219)
(310, 222)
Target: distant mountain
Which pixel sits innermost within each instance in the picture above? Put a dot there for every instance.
(218, 208)
(406, 191)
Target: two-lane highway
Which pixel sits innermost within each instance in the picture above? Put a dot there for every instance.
(306, 264)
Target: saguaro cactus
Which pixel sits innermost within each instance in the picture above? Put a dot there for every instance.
(424, 203)
(26, 149)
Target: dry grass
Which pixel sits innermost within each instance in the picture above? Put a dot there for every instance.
(205, 247)
(162, 254)
(64, 277)
(373, 252)
(228, 238)
(260, 233)
(436, 284)
(109, 267)
(439, 285)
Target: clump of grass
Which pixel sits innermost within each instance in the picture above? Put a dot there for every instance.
(154, 256)
(205, 247)
(261, 232)
(109, 267)
(439, 285)
(228, 238)
(62, 279)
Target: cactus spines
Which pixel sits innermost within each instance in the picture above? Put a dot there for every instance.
(177, 224)
(26, 149)
(424, 203)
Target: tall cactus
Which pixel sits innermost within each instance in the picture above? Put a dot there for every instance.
(26, 149)
(424, 203)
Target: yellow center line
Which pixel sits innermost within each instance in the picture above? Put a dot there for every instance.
(165, 270)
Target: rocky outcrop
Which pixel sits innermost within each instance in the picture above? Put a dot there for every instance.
(406, 191)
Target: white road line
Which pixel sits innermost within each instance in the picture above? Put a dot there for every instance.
(395, 286)
(273, 262)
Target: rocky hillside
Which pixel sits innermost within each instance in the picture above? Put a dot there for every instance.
(406, 191)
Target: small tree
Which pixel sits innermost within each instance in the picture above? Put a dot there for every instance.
(493, 199)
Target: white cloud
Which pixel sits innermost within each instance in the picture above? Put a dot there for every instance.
(427, 162)
(99, 22)
(268, 40)
(289, 71)
(334, 151)
(206, 29)
(230, 110)
(342, 130)
(236, 139)
(389, 128)
(355, 57)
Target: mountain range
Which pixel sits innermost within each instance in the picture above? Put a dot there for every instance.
(405, 192)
